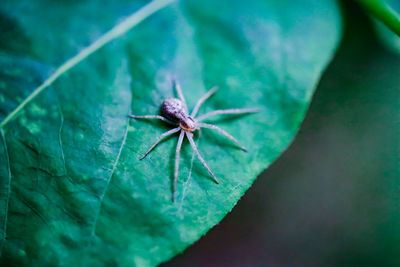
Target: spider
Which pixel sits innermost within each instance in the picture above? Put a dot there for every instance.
(176, 113)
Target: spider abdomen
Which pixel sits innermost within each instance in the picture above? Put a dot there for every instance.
(174, 110)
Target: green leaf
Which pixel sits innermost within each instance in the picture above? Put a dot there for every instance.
(332, 199)
(73, 191)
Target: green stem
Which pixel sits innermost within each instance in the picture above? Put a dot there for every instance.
(383, 12)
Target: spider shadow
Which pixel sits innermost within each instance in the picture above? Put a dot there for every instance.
(227, 118)
(184, 163)
(161, 124)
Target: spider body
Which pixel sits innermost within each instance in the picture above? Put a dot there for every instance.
(176, 113)
(174, 110)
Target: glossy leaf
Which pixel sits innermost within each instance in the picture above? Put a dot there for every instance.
(332, 198)
(73, 191)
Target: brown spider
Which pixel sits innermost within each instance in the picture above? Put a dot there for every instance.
(176, 113)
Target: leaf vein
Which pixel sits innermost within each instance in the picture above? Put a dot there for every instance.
(60, 137)
(117, 31)
(8, 191)
(109, 178)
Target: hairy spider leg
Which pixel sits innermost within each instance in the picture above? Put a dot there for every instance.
(161, 137)
(194, 147)
(177, 155)
(178, 89)
(223, 132)
(153, 117)
(227, 111)
(202, 99)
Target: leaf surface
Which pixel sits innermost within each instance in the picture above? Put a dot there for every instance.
(340, 175)
(72, 189)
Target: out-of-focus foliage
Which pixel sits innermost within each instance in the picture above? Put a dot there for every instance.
(385, 11)
(72, 190)
(389, 38)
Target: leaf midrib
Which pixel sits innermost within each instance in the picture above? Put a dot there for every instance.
(117, 31)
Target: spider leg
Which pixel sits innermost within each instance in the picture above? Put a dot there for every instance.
(152, 117)
(223, 132)
(228, 111)
(177, 155)
(202, 99)
(178, 89)
(161, 137)
(194, 147)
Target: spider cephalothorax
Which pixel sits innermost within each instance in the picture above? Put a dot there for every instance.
(176, 113)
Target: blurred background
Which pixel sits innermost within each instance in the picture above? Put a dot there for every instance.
(333, 198)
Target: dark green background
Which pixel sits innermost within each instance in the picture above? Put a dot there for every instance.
(333, 197)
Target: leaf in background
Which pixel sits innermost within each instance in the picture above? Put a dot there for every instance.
(73, 191)
(388, 37)
(385, 11)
